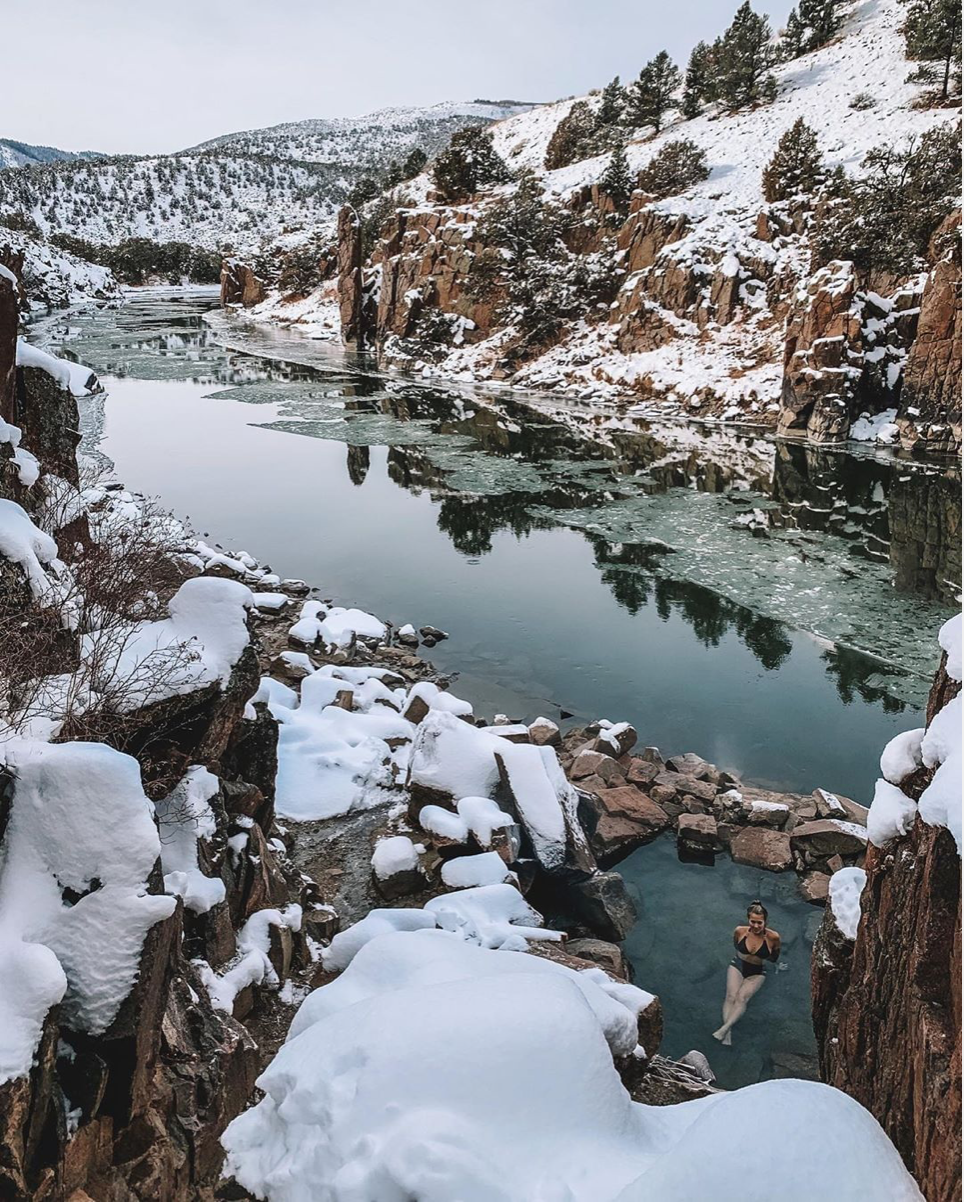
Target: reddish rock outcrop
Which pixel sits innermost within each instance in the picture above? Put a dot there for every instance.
(930, 409)
(240, 285)
(887, 1007)
(350, 284)
(9, 320)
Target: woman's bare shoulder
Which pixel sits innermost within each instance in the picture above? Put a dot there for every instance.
(737, 931)
(773, 935)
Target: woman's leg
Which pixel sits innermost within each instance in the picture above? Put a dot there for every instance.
(734, 979)
(747, 989)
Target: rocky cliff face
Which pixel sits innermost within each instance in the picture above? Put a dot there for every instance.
(133, 1108)
(835, 346)
(930, 408)
(887, 1005)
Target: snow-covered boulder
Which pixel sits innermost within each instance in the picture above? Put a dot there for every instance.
(451, 1034)
(74, 903)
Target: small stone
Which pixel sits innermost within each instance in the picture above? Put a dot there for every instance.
(651, 755)
(594, 763)
(545, 733)
(432, 632)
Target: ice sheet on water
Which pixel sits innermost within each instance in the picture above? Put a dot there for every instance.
(804, 578)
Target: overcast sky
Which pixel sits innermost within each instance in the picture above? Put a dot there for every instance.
(160, 75)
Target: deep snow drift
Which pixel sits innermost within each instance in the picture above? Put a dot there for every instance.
(437, 1071)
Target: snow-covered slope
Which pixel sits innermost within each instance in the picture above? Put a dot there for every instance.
(23, 154)
(53, 278)
(705, 241)
(866, 57)
(370, 139)
(238, 191)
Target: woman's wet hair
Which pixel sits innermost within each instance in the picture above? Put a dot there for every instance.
(756, 907)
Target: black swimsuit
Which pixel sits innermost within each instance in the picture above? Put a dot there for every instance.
(746, 968)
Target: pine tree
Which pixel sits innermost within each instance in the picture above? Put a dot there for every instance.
(678, 165)
(651, 96)
(617, 180)
(793, 41)
(886, 217)
(573, 137)
(932, 33)
(743, 62)
(697, 78)
(821, 19)
(469, 163)
(797, 167)
(414, 163)
(613, 105)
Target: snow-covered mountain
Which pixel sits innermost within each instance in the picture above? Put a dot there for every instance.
(23, 154)
(234, 192)
(368, 140)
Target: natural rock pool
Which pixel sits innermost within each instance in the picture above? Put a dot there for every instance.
(681, 946)
(768, 605)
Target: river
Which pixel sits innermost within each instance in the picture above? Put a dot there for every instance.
(770, 606)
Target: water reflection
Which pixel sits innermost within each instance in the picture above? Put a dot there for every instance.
(740, 540)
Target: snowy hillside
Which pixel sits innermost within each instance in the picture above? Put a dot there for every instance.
(234, 192)
(23, 154)
(821, 87)
(53, 278)
(368, 140)
(703, 275)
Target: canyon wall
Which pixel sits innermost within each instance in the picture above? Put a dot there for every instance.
(841, 345)
(131, 1109)
(887, 1005)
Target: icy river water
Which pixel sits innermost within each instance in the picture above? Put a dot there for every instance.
(770, 606)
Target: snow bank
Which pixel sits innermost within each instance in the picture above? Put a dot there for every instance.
(483, 817)
(27, 545)
(493, 916)
(401, 1080)
(331, 760)
(336, 627)
(845, 889)
(891, 814)
(74, 378)
(901, 756)
(940, 803)
(939, 747)
(252, 964)
(451, 757)
(348, 943)
(79, 847)
(184, 817)
(199, 644)
(949, 638)
(439, 699)
(540, 793)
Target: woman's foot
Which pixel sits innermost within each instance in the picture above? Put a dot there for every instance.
(727, 1040)
(722, 1034)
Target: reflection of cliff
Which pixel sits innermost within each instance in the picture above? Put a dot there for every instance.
(910, 518)
(358, 462)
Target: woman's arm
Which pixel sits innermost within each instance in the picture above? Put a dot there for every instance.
(774, 942)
